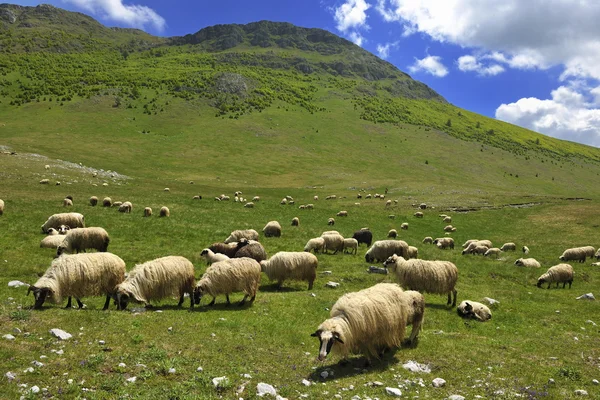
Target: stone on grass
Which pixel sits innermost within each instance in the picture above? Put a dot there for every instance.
(10, 376)
(36, 363)
(199, 369)
(324, 374)
(8, 336)
(393, 391)
(16, 284)
(456, 397)
(122, 365)
(581, 392)
(220, 381)
(438, 382)
(172, 370)
(587, 296)
(35, 389)
(491, 301)
(306, 382)
(414, 366)
(264, 388)
(132, 379)
(332, 284)
(60, 334)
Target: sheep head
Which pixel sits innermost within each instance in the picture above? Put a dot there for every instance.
(326, 340)
(40, 295)
(540, 282)
(199, 291)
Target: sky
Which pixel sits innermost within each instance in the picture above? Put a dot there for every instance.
(533, 63)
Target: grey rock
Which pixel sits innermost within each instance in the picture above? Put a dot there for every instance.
(172, 370)
(377, 270)
(10, 376)
(16, 284)
(324, 374)
(264, 388)
(393, 391)
(16, 331)
(416, 367)
(491, 301)
(34, 389)
(306, 382)
(60, 334)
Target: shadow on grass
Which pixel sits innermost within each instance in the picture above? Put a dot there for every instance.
(274, 288)
(439, 306)
(355, 366)
(234, 306)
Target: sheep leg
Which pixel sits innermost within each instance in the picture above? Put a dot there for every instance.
(79, 303)
(227, 297)
(68, 303)
(549, 283)
(570, 284)
(191, 300)
(252, 298)
(241, 303)
(212, 303)
(279, 284)
(564, 284)
(107, 302)
(454, 301)
(180, 301)
(310, 284)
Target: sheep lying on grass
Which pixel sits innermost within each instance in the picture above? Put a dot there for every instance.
(52, 241)
(475, 310)
(225, 277)
(236, 235)
(438, 277)
(81, 239)
(382, 249)
(211, 257)
(370, 321)
(154, 280)
(561, 273)
(528, 262)
(291, 265)
(72, 220)
(79, 275)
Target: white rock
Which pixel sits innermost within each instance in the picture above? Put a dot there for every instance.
(595, 382)
(589, 321)
(581, 392)
(393, 391)
(59, 333)
(551, 381)
(70, 381)
(416, 367)
(141, 365)
(220, 380)
(326, 272)
(438, 382)
(158, 311)
(587, 296)
(306, 382)
(35, 389)
(199, 369)
(491, 301)
(172, 370)
(264, 388)
(122, 365)
(132, 379)
(456, 397)
(324, 374)
(101, 342)
(278, 397)
(60, 352)
(247, 376)
(30, 369)
(10, 376)
(16, 331)
(36, 363)
(313, 295)
(8, 336)
(170, 329)
(16, 284)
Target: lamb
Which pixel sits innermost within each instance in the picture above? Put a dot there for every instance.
(444, 243)
(315, 198)
(79, 275)
(235, 236)
(428, 240)
(291, 265)
(438, 277)
(45, 181)
(126, 207)
(413, 252)
(147, 212)
(52, 241)
(62, 230)
(72, 220)
(81, 239)
(164, 212)
(447, 219)
(315, 244)
(225, 277)
(418, 214)
(295, 221)
(1, 206)
(272, 229)
(212, 257)
(449, 228)
(404, 226)
(93, 201)
(52, 231)
(392, 234)
(475, 310)
(342, 213)
(508, 246)
(526, 250)
(351, 244)
(370, 321)
(382, 249)
(331, 221)
(67, 203)
(473, 245)
(528, 262)
(107, 202)
(363, 236)
(251, 249)
(558, 273)
(493, 252)
(229, 249)
(157, 279)
(575, 254)
(333, 241)
(249, 205)
(368, 196)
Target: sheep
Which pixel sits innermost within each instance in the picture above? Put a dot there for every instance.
(296, 265)
(363, 236)
(147, 212)
(212, 257)
(392, 234)
(315, 198)
(157, 279)
(117, 204)
(1, 206)
(574, 254)
(404, 226)
(382, 249)
(493, 252)
(343, 213)
(272, 229)
(331, 197)
(126, 207)
(249, 205)
(107, 202)
(315, 244)
(52, 241)
(468, 242)
(413, 252)
(444, 243)
(69, 197)
(283, 201)
(256, 198)
(449, 228)
(46, 167)
(478, 250)
(45, 182)
(438, 277)
(225, 277)
(229, 249)
(63, 229)
(475, 310)
(164, 212)
(333, 241)
(67, 203)
(368, 196)
(295, 221)
(388, 203)
(310, 206)
(589, 251)
(359, 196)
(80, 239)
(526, 250)
(72, 220)
(447, 219)
(251, 249)
(428, 240)
(527, 262)
(166, 189)
(236, 235)
(197, 197)
(422, 206)
(93, 201)
(508, 246)
(473, 245)
(558, 273)
(370, 321)
(330, 233)
(351, 244)
(52, 231)
(79, 275)
(418, 214)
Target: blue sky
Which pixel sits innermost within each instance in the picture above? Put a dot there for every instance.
(533, 63)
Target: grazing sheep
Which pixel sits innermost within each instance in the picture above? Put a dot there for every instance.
(418, 214)
(126, 207)
(72, 220)
(468, 242)
(79, 275)
(67, 203)
(331, 221)
(249, 205)
(46, 167)
(508, 246)
(575, 254)
(81, 239)
(45, 182)
(359, 196)
(315, 198)
(1, 206)
(331, 197)
(526, 250)
(479, 250)
(236, 235)
(382, 249)
(342, 213)
(475, 310)
(444, 243)
(330, 233)
(528, 262)
(413, 252)
(392, 233)
(447, 219)
(363, 236)
(212, 257)
(69, 197)
(272, 229)
(154, 280)
(117, 204)
(391, 216)
(295, 221)
(422, 206)
(493, 252)
(197, 197)
(225, 277)
(256, 198)
(597, 255)
(438, 277)
(52, 241)
(310, 206)
(351, 244)
(315, 244)
(558, 273)
(147, 212)
(229, 249)
(589, 251)
(166, 189)
(404, 226)
(370, 321)
(368, 196)
(107, 202)
(251, 249)
(388, 203)
(164, 212)
(473, 245)
(449, 228)
(283, 201)
(296, 265)
(333, 241)
(93, 201)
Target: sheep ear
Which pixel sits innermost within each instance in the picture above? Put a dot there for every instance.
(317, 333)
(31, 289)
(468, 307)
(336, 336)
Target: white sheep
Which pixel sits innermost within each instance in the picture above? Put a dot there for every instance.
(295, 221)
(117, 204)
(343, 213)
(526, 250)
(291, 265)
(52, 241)
(67, 203)
(126, 207)
(474, 245)
(164, 212)
(249, 205)
(62, 230)
(72, 220)
(351, 244)
(388, 203)
(438, 277)
(528, 262)
(413, 252)
(236, 235)
(225, 277)
(315, 244)
(283, 201)
(508, 246)
(333, 241)
(79, 275)
(418, 214)
(81, 239)
(212, 257)
(256, 199)
(45, 181)
(561, 273)
(52, 231)
(449, 228)
(272, 229)
(1, 206)
(166, 189)
(370, 321)
(331, 221)
(382, 249)
(147, 212)
(444, 243)
(475, 310)
(156, 279)
(107, 202)
(46, 167)
(315, 198)
(392, 233)
(575, 254)
(428, 240)
(93, 201)
(404, 226)
(493, 252)
(447, 219)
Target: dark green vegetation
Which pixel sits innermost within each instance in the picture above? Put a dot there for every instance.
(295, 112)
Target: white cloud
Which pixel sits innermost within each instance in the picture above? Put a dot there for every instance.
(567, 115)
(356, 37)
(472, 64)
(528, 33)
(383, 50)
(431, 65)
(133, 15)
(351, 15)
